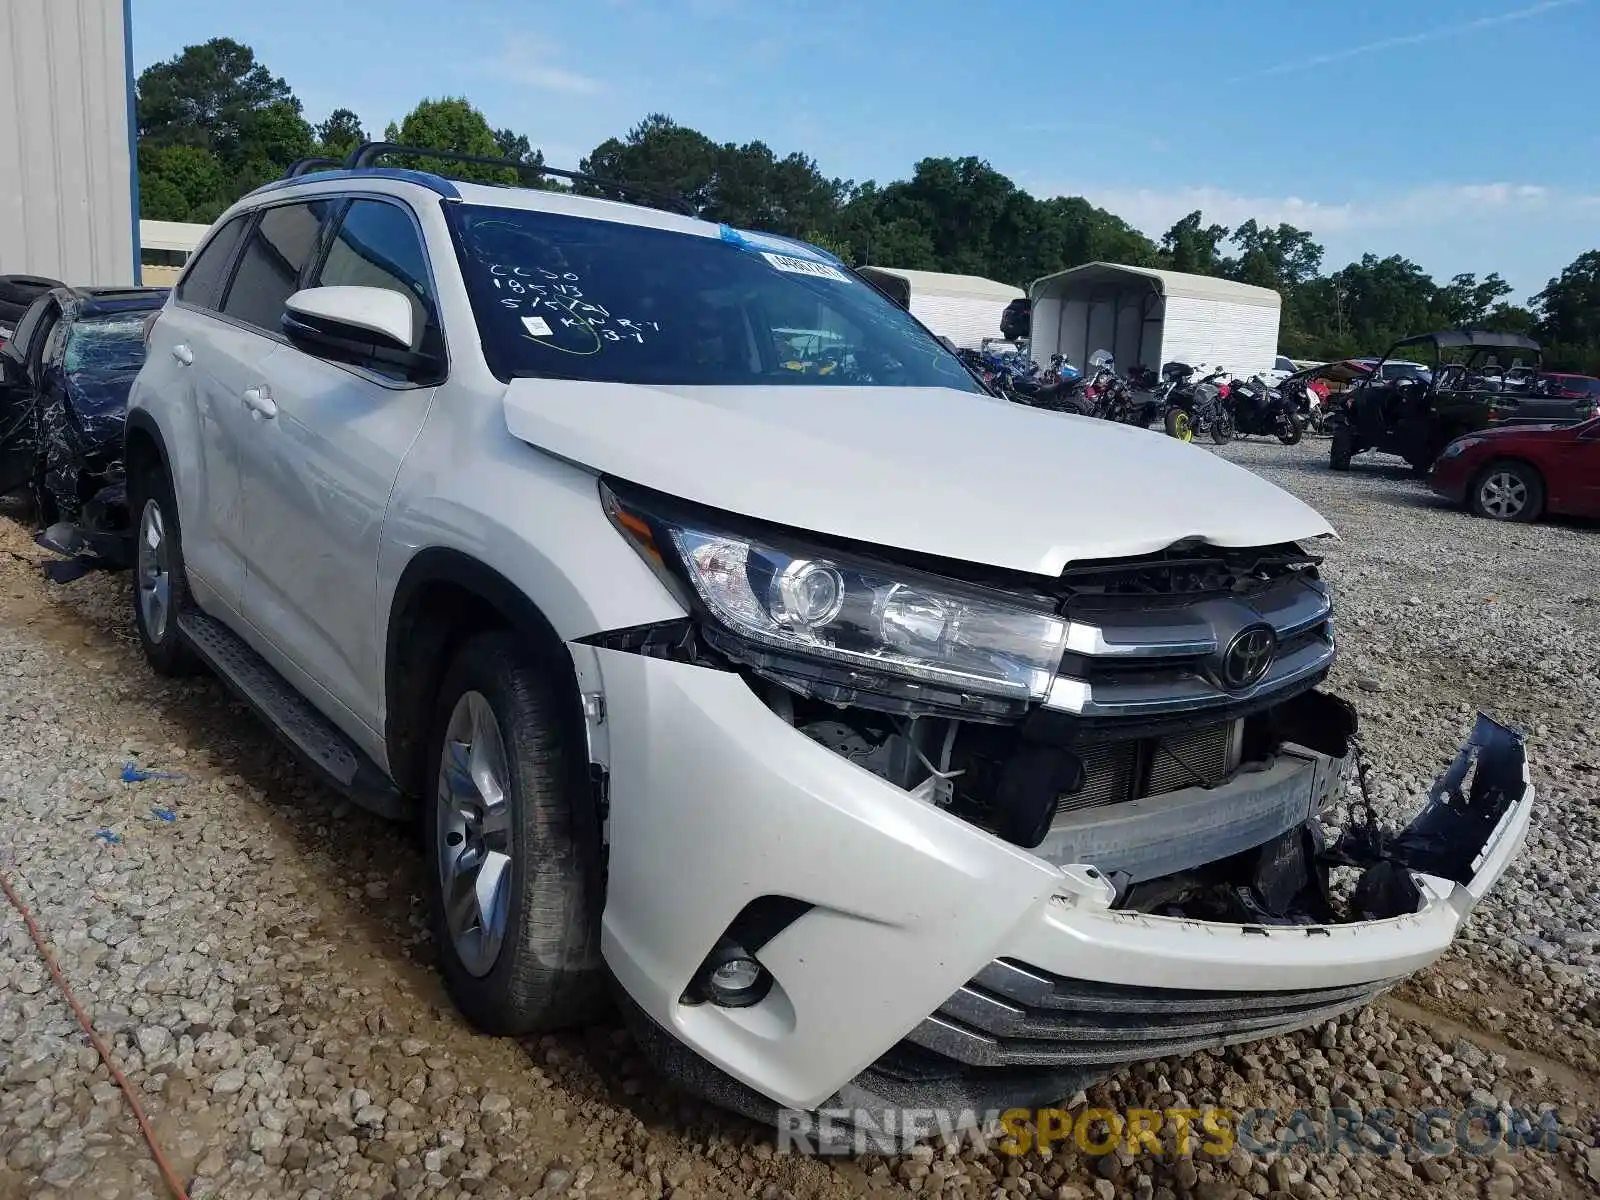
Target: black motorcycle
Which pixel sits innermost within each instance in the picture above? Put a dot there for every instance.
(1193, 406)
(1256, 410)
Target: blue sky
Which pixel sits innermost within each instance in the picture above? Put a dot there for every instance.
(1460, 133)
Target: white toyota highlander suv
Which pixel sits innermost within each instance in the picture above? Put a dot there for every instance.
(872, 741)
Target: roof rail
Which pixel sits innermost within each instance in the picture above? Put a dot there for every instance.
(304, 166)
(365, 156)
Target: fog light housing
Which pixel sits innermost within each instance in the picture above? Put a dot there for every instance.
(731, 977)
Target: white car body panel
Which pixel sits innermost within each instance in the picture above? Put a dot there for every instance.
(897, 467)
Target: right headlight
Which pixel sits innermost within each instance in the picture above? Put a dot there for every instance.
(808, 612)
(1459, 446)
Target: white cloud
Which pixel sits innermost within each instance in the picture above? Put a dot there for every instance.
(1526, 231)
(1438, 34)
(1155, 210)
(534, 62)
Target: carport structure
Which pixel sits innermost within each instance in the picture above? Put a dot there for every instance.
(1146, 317)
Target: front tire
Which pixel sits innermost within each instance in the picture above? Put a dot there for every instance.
(160, 584)
(1222, 429)
(513, 849)
(1290, 430)
(1508, 491)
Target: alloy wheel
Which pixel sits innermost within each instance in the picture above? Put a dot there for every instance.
(154, 571)
(1503, 495)
(473, 843)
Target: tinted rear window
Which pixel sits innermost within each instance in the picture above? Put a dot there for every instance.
(566, 297)
(202, 284)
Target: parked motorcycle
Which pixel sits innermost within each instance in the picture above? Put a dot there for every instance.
(1194, 406)
(1255, 409)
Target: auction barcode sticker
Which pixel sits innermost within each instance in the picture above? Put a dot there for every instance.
(804, 266)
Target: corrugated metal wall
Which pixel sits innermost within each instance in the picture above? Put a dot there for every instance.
(1243, 338)
(965, 320)
(66, 176)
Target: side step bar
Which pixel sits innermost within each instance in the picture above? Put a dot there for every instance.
(313, 738)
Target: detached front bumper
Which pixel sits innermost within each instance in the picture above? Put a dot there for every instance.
(922, 960)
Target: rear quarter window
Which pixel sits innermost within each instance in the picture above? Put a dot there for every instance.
(203, 282)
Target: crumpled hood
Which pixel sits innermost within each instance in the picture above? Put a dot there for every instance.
(932, 470)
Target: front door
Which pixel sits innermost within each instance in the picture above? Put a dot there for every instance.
(321, 470)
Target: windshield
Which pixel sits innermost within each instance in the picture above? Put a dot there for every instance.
(107, 345)
(564, 297)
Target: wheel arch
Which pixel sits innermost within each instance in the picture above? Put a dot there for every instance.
(141, 440)
(444, 597)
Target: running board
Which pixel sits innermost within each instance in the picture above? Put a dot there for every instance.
(313, 738)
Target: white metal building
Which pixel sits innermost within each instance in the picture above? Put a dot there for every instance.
(1148, 317)
(68, 191)
(964, 308)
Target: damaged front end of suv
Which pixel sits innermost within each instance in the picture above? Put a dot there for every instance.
(1108, 844)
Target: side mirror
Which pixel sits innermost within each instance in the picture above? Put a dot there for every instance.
(352, 314)
(364, 326)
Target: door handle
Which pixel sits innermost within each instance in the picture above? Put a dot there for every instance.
(183, 354)
(259, 402)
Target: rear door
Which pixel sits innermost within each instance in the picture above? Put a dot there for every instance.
(222, 350)
(175, 386)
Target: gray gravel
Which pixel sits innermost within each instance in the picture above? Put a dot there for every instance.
(255, 951)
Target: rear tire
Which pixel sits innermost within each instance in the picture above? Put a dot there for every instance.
(1507, 491)
(513, 852)
(1178, 425)
(1340, 451)
(160, 583)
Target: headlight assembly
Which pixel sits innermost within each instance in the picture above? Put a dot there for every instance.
(831, 621)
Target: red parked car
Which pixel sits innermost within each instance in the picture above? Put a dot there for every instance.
(1569, 387)
(1522, 472)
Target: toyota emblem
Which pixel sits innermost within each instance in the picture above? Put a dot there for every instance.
(1248, 657)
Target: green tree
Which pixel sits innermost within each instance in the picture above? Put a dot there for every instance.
(180, 183)
(340, 134)
(660, 155)
(1568, 311)
(205, 96)
(1282, 258)
(1193, 246)
(451, 123)
(216, 98)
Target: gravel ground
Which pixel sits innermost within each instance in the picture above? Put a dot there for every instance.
(254, 948)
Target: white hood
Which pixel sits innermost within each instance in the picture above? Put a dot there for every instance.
(932, 470)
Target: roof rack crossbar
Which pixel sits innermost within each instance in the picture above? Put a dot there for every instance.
(367, 154)
(304, 166)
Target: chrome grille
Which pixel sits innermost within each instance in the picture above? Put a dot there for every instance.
(1014, 1015)
(1156, 658)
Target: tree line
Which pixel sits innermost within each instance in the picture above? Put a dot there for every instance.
(214, 123)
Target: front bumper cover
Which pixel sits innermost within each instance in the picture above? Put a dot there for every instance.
(886, 986)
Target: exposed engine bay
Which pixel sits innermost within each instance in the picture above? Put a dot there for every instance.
(1175, 822)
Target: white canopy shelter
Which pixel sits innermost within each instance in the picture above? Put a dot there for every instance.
(964, 308)
(1147, 317)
